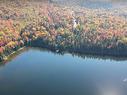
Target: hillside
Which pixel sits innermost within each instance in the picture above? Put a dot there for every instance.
(75, 29)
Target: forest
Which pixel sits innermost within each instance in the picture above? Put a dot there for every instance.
(61, 28)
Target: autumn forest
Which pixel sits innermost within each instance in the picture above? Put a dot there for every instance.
(61, 28)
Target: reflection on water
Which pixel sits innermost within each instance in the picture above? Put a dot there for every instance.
(74, 54)
(40, 72)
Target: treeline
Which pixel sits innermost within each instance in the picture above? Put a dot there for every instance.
(62, 29)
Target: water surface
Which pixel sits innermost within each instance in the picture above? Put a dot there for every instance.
(40, 72)
(94, 4)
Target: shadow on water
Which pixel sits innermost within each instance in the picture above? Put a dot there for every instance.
(80, 55)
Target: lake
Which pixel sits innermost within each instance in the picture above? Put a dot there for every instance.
(41, 72)
(94, 4)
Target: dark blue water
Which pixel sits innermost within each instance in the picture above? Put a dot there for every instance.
(36, 72)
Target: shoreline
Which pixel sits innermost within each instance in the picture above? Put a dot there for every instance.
(80, 30)
(6, 58)
(82, 54)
